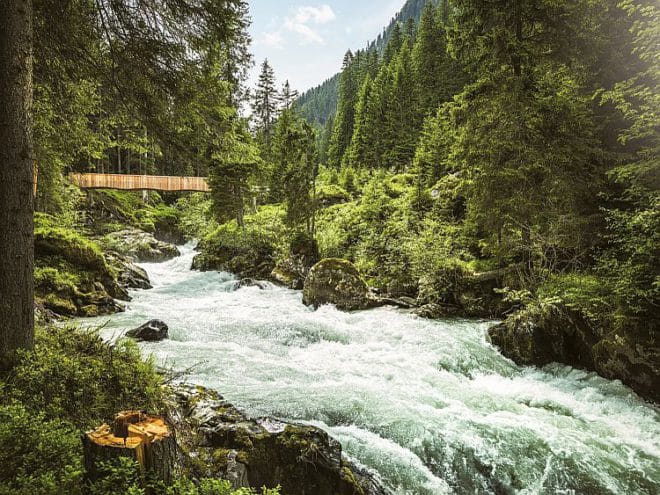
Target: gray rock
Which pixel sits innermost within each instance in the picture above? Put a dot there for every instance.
(220, 440)
(250, 282)
(336, 281)
(152, 331)
(129, 275)
(140, 245)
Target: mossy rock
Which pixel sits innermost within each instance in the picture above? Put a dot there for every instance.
(336, 281)
(140, 245)
(545, 333)
(72, 277)
(632, 355)
(246, 254)
(52, 239)
(302, 459)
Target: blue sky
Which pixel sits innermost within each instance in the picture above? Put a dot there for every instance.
(305, 40)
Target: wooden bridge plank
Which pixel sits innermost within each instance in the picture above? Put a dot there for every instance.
(140, 182)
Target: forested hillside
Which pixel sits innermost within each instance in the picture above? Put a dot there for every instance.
(437, 272)
(492, 158)
(319, 104)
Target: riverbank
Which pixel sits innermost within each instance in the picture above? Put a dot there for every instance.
(429, 405)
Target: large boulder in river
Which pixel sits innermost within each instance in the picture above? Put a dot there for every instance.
(129, 275)
(336, 281)
(632, 354)
(151, 331)
(219, 440)
(545, 333)
(140, 245)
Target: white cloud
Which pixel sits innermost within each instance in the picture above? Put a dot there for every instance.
(273, 39)
(300, 22)
(318, 15)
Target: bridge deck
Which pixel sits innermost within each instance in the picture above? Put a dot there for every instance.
(140, 182)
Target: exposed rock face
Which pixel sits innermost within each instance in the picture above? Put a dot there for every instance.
(219, 440)
(542, 334)
(140, 245)
(151, 331)
(129, 275)
(336, 281)
(632, 355)
(539, 335)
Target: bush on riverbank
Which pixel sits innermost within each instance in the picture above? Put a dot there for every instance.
(73, 381)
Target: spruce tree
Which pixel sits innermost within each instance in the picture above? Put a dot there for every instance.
(345, 117)
(524, 130)
(264, 104)
(361, 151)
(400, 130)
(287, 96)
(234, 161)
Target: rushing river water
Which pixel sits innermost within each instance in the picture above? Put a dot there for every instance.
(429, 405)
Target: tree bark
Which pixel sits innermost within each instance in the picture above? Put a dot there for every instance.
(16, 181)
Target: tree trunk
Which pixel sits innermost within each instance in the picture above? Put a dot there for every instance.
(516, 59)
(16, 180)
(146, 439)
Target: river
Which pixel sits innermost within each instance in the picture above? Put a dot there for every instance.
(430, 406)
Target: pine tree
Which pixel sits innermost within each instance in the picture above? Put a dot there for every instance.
(394, 44)
(234, 160)
(524, 130)
(265, 104)
(287, 96)
(361, 151)
(401, 132)
(345, 117)
(632, 257)
(295, 169)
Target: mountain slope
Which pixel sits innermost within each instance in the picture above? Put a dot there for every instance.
(318, 104)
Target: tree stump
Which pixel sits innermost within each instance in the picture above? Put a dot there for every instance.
(136, 435)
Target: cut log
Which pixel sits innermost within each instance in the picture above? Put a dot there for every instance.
(148, 440)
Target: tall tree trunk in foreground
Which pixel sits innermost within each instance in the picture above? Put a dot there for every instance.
(16, 180)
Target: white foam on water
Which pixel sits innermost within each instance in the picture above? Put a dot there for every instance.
(429, 405)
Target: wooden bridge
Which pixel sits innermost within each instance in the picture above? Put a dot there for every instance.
(140, 182)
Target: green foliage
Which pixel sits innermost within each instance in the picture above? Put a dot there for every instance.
(77, 376)
(587, 293)
(120, 476)
(195, 218)
(295, 168)
(250, 251)
(214, 487)
(37, 454)
(52, 238)
(235, 161)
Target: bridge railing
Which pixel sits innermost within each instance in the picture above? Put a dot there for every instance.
(140, 182)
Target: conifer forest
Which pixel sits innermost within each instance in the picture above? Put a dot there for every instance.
(437, 271)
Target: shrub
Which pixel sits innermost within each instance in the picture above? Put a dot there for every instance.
(38, 455)
(75, 375)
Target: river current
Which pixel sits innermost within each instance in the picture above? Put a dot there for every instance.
(430, 406)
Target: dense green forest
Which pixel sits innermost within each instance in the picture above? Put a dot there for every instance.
(510, 143)
(490, 160)
(318, 105)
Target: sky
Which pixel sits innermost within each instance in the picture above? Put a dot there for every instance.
(305, 41)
